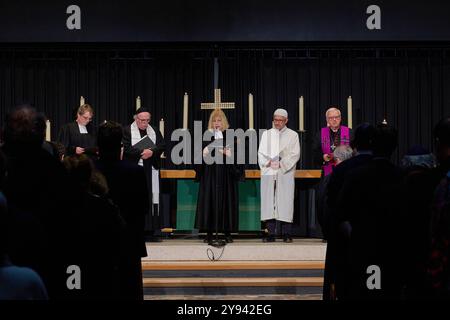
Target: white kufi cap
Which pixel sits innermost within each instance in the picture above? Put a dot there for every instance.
(281, 112)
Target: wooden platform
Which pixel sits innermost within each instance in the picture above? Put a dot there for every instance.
(249, 174)
(233, 265)
(181, 269)
(240, 250)
(234, 282)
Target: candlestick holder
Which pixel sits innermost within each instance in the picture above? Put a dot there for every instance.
(302, 134)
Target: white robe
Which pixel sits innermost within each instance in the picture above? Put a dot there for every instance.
(135, 138)
(278, 185)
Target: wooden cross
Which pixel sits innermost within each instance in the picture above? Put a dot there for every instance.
(217, 102)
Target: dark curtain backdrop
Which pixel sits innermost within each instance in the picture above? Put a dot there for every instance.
(408, 84)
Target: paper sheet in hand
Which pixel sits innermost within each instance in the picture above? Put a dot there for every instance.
(144, 143)
(270, 148)
(219, 143)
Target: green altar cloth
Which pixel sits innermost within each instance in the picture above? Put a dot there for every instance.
(249, 205)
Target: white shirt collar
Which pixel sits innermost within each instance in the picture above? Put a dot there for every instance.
(82, 128)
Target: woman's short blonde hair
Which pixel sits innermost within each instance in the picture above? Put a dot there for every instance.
(218, 113)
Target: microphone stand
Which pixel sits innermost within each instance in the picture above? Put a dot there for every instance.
(217, 243)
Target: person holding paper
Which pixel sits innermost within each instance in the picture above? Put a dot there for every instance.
(218, 197)
(78, 137)
(144, 144)
(278, 154)
(329, 138)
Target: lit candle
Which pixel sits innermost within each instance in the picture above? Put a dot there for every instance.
(301, 115)
(349, 112)
(185, 110)
(82, 103)
(161, 127)
(47, 132)
(250, 111)
(138, 102)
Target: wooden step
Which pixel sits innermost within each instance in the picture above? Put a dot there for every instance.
(233, 282)
(233, 265)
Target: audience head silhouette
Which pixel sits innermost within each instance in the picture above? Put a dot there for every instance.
(24, 127)
(386, 141)
(363, 137)
(109, 140)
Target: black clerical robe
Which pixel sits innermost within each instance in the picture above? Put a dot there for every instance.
(70, 137)
(153, 220)
(218, 195)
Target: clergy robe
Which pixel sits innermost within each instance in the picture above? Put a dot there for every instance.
(218, 194)
(71, 137)
(278, 185)
(131, 136)
(325, 143)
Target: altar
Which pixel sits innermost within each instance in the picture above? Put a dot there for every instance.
(249, 200)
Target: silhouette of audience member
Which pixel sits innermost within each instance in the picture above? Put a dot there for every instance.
(128, 190)
(338, 235)
(56, 149)
(37, 192)
(371, 203)
(418, 158)
(340, 154)
(419, 184)
(439, 269)
(16, 283)
(99, 229)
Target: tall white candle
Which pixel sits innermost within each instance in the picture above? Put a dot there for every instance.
(301, 114)
(185, 110)
(138, 102)
(82, 101)
(349, 112)
(250, 111)
(47, 131)
(161, 127)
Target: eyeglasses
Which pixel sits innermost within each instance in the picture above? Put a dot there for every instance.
(87, 118)
(334, 118)
(143, 120)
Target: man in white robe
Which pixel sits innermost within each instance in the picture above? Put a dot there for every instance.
(278, 154)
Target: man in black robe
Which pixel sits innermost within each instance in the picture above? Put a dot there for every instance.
(78, 137)
(149, 157)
